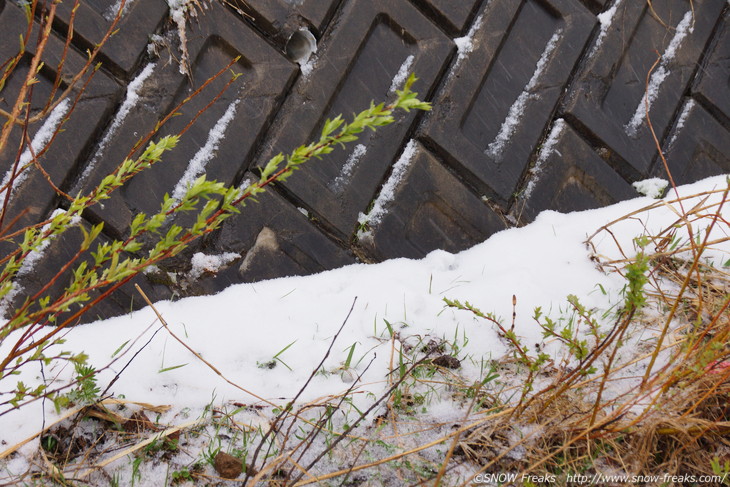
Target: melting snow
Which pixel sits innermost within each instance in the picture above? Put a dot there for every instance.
(606, 19)
(308, 67)
(130, 101)
(653, 187)
(39, 142)
(548, 148)
(684, 28)
(111, 12)
(197, 164)
(688, 107)
(347, 169)
(402, 74)
(203, 263)
(465, 45)
(517, 109)
(387, 194)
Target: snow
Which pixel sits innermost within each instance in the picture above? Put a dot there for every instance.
(349, 166)
(605, 19)
(249, 324)
(548, 148)
(177, 7)
(686, 110)
(517, 110)
(197, 164)
(111, 13)
(685, 27)
(37, 144)
(204, 263)
(402, 74)
(308, 67)
(130, 101)
(465, 45)
(652, 187)
(387, 193)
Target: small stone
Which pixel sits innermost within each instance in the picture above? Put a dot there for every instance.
(228, 466)
(447, 361)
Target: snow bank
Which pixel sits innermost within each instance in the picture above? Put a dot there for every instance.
(248, 324)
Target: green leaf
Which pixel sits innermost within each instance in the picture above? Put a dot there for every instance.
(332, 125)
(90, 236)
(121, 347)
(167, 369)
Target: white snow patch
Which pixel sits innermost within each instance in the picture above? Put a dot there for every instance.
(517, 109)
(387, 193)
(686, 110)
(349, 166)
(605, 19)
(547, 148)
(177, 7)
(197, 164)
(153, 48)
(684, 28)
(203, 263)
(151, 269)
(130, 101)
(652, 187)
(402, 74)
(465, 45)
(37, 144)
(245, 184)
(111, 12)
(308, 67)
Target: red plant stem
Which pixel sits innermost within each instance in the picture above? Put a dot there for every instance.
(67, 44)
(44, 34)
(175, 110)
